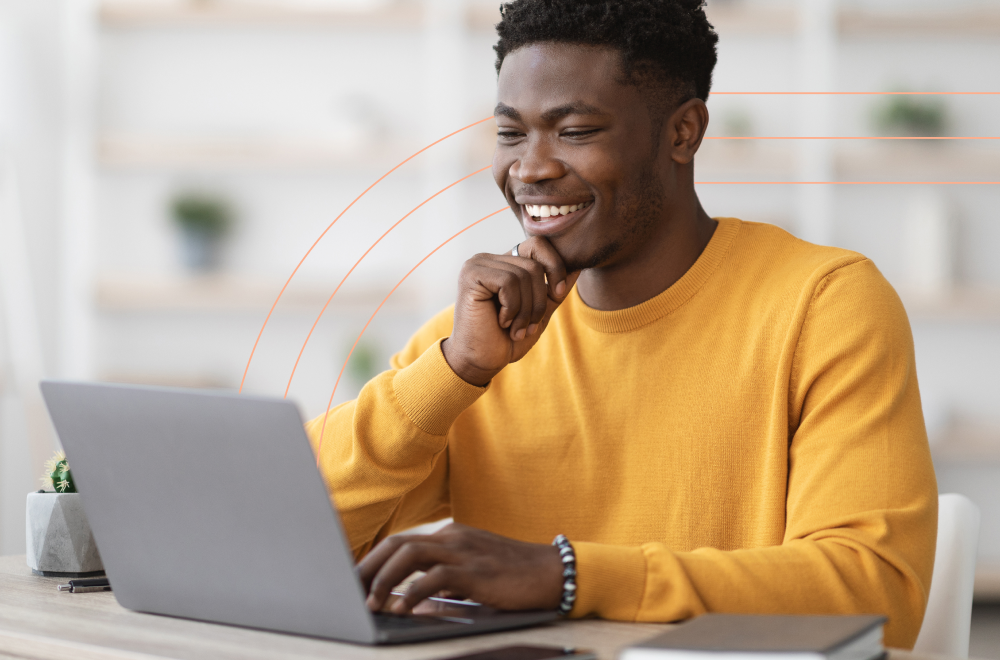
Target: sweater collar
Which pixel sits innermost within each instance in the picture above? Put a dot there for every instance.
(662, 304)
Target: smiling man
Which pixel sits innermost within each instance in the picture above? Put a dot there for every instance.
(713, 414)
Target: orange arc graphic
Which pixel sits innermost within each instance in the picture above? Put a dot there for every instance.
(330, 299)
(316, 242)
(326, 415)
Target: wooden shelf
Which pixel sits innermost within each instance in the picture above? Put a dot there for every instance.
(967, 441)
(158, 152)
(964, 23)
(740, 18)
(230, 294)
(917, 161)
(987, 585)
(853, 161)
(261, 13)
(962, 304)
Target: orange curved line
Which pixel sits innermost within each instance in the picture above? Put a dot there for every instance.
(316, 242)
(326, 415)
(862, 137)
(853, 183)
(330, 299)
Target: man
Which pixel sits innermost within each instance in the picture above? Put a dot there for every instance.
(716, 415)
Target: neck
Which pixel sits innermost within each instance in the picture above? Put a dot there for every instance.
(657, 261)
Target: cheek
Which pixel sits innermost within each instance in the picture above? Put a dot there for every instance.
(501, 169)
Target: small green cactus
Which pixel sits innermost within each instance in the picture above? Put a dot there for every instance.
(57, 475)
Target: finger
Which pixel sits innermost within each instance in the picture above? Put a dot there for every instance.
(538, 248)
(410, 556)
(493, 280)
(553, 305)
(369, 566)
(533, 293)
(533, 308)
(508, 293)
(442, 577)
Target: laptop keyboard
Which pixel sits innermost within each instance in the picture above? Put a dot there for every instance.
(391, 622)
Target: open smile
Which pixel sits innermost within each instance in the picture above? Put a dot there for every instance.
(551, 219)
(541, 212)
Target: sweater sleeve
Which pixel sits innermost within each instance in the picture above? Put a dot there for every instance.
(861, 504)
(383, 454)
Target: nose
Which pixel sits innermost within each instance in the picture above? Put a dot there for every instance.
(537, 163)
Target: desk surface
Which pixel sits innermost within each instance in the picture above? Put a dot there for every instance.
(37, 621)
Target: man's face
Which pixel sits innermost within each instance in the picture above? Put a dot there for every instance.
(571, 135)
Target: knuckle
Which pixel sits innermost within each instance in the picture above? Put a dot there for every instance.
(509, 279)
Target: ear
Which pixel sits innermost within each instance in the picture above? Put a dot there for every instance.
(685, 129)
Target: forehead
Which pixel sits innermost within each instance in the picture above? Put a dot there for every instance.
(546, 75)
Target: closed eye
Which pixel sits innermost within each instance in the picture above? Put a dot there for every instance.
(579, 134)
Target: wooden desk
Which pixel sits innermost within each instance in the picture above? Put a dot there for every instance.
(38, 622)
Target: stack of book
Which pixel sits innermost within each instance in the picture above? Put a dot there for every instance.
(766, 637)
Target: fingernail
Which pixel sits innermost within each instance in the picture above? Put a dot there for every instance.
(370, 602)
(399, 607)
(506, 324)
(519, 335)
(533, 328)
(561, 288)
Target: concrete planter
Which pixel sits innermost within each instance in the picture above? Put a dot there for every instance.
(60, 543)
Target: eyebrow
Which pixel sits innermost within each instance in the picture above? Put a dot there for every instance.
(554, 114)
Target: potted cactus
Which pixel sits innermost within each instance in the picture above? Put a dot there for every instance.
(60, 543)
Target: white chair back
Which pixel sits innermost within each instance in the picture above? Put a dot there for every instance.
(948, 618)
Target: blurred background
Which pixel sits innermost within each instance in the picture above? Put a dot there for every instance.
(165, 164)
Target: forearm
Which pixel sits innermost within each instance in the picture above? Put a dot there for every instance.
(381, 454)
(834, 572)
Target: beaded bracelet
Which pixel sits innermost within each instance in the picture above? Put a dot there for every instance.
(568, 558)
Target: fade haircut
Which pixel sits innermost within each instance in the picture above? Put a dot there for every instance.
(667, 47)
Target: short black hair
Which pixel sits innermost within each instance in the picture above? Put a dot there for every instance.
(668, 44)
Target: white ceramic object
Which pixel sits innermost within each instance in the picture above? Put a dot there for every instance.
(60, 543)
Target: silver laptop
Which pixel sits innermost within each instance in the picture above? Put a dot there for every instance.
(209, 506)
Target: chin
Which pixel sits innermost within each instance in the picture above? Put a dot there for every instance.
(590, 257)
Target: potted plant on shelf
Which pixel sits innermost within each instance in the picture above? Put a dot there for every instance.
(204, 220)
(60, 543)
(911, 116)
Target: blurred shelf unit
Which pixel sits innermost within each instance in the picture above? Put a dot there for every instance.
(161, 152)
(222, 294)
(222, 13)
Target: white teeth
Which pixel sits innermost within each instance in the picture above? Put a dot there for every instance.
(547, 211)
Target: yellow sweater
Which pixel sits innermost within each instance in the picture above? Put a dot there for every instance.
(749, 440)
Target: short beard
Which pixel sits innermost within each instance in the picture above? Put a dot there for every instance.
(638, 211)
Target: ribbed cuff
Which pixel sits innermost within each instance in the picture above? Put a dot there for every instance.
(610, 580)
(431, 394)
